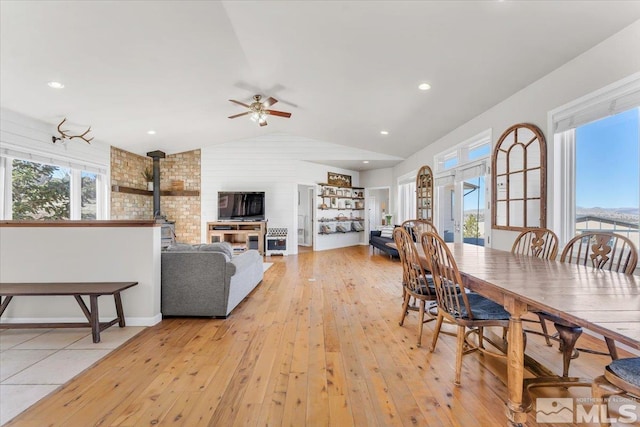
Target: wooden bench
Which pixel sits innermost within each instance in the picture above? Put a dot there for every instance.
(92, 289)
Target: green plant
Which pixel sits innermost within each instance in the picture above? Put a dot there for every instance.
(147, 173)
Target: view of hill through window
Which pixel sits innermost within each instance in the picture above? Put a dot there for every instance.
(608, 174)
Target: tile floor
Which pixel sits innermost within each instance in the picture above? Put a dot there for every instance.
(35, 362)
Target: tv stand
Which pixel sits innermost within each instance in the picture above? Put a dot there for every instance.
(243, 235)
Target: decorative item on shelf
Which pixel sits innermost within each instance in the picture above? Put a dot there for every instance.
(325, 229)
(388, 217)
(334, 202)
(357, 226)
(347, 204)
(338, 180)
(64, 135)
(324, 206)
(147, 174)
(341, 217)
(341, 228)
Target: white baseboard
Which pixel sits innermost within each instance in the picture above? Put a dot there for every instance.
(131, 321)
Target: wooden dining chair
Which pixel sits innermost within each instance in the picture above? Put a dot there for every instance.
(416, 283)
(606, 251)
(456, 305)
(416, 227)
(541, 243)
(537, 242)
(621, 377)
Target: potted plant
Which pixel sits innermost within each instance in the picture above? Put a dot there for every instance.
(147, 173)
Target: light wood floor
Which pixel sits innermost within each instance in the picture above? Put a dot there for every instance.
(317, 343)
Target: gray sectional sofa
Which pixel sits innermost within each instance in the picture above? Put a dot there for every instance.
(207, 280)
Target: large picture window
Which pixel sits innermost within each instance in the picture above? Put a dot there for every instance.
(41, 191)
(597, 162)
(608, 180)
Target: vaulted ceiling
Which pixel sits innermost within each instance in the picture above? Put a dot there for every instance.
(345, 69)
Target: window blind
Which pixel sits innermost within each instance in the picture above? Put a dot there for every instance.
(608, 101)
(52, 160)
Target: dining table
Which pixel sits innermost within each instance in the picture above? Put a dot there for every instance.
(607, 303)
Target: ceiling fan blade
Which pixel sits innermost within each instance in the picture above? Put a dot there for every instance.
(278, 113)
(269, 102)
(240, 103)
(263, 123)
(238, 115)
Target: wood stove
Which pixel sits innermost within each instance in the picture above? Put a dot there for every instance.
(168, 228)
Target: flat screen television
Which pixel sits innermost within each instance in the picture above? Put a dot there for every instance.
(241, 206)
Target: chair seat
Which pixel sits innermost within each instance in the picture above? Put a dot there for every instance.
(428, 288)
(627, 369)
(484, 309)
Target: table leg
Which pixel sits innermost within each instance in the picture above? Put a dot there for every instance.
(95, 318)
(5, 303)
(516, 412)
(119, 311)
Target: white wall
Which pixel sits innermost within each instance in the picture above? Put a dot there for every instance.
(611, 60)
(77, 254)
(377, 178)
(29, 135)
(276, 165)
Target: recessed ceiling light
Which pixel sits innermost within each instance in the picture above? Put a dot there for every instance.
(55, 85)
(151, 132)
(365, 161)
(424, 86)
(384, 132)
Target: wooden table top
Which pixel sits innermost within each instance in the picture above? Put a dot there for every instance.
(60, 288)
(605, 302)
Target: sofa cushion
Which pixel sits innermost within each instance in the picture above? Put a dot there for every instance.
(223, 247)
(386, 232)
(180, 247)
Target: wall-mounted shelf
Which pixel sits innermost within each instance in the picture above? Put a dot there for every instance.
(131, 190)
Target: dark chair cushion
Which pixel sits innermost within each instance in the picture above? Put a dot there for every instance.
(422, 289)
(484, 309)
(627, 369)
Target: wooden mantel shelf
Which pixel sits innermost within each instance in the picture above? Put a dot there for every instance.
(130, 190)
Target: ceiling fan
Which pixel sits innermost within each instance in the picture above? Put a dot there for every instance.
(259, 110)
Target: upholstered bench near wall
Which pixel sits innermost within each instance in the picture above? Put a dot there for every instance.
(379, 239)
(207, 280)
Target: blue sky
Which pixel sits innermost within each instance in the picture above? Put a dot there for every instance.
(607, 162)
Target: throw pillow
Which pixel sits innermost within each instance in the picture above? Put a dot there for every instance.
(387, 232)
(224, 247)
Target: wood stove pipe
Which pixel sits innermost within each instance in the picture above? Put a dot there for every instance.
(156, 156)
